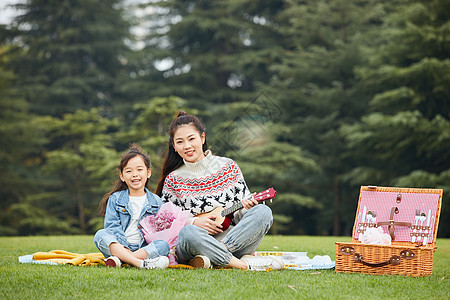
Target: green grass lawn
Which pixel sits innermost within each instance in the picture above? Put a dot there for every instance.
(32, 281)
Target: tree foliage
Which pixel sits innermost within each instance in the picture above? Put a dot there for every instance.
(72, 53)
(82, 161)
(313, 97)
(19, 147)
(404, 137)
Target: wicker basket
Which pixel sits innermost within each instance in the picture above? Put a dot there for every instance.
(413, 245)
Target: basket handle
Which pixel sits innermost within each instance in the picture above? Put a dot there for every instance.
(393, 260)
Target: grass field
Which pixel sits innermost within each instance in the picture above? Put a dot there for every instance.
(32, 281)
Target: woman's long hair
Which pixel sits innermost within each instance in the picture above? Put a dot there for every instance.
(173, 160)
(134, 151)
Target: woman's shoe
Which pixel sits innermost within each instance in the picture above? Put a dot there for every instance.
(200, 262)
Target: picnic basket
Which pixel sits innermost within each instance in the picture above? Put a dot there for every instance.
(410, 216)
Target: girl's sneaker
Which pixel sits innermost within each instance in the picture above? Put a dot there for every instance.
(160, 262)
(113, 261)
(200, 262)
(263, 263)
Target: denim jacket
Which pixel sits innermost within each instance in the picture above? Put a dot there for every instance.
(118, 214)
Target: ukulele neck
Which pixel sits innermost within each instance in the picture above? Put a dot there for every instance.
(231, 209)
(264, 195)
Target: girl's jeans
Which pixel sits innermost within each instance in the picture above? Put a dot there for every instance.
(103, 239)
(242, 239)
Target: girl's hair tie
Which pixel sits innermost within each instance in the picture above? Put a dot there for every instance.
(181, 113)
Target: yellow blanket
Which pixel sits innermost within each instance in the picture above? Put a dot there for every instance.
(76, 259)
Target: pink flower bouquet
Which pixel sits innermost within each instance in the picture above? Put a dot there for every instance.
(165, 225)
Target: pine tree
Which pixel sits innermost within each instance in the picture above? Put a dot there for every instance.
(19, 147)
(213, 51)
(83, 163)
(71, 55)
(322, 42)
(404, 140)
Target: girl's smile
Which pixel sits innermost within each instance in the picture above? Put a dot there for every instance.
(188, 143)
(135, 174)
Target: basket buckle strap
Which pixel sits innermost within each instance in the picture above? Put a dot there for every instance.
(391, 223)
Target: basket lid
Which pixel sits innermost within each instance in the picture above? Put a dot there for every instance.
(407, 214)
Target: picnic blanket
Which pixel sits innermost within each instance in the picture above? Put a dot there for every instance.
(292, 260)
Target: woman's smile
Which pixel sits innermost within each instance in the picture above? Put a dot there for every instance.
(188, 143)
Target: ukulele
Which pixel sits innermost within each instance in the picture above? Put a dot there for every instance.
(224, 216)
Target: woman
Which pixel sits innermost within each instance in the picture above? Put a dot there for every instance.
(198, 181)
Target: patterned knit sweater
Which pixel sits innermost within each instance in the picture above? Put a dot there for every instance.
(209, 183)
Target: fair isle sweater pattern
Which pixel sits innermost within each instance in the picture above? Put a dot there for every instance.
(200, 187)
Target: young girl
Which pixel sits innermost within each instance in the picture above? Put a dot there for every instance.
(124, 207)
(198, 181)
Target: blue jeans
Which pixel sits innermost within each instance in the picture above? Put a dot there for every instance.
(242, 239)
(103, 238)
